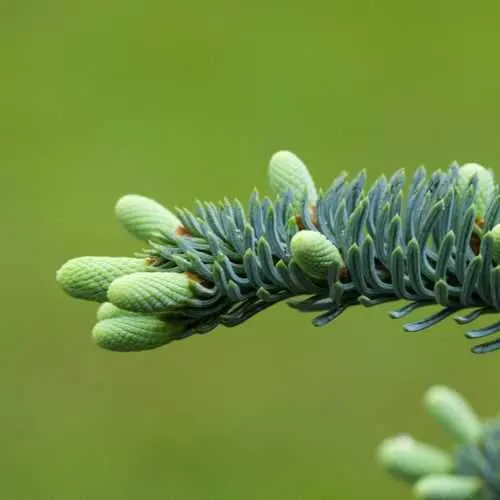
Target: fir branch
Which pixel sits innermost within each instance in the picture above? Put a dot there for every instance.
(437, 243)
(471, 472)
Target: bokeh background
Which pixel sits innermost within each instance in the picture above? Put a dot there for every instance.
(184, 100)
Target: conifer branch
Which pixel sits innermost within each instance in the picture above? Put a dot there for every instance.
(435, 243)
(471, 472)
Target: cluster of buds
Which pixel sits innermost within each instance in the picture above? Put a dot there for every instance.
(438, 244)
(141, 307)
(471, 472)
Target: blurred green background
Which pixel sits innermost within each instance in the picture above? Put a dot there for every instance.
(185, 100)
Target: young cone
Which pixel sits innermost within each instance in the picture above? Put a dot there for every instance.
(108, 311)
(135, 333)
(314, 253)
(485, 183)
(89, 277)
(452, 411)
(152, 293)
(286, 173)
(409, 459)
(142, 216)
(495, 233)
(447, 487)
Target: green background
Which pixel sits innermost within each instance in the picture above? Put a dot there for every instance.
(184, 100)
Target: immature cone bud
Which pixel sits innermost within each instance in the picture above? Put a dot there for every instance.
(447, 487)
(286, 173)
(485, 185)
(142, 216)
(314, 253)
(89, 277)
(410, 459)
(152, 292)
(495, 233)
(135, 333)
(108, 311)
(452, 411)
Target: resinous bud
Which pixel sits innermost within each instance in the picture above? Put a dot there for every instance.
(447, 487)
(454, 413)
(142, 216)
(135, 333)
(314, 253)
(90, 277)
(287, 172)
(485, 185)
(409, 459)
(159, 292)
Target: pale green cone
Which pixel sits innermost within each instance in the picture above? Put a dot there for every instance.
(486, 185)
(135, 333)
(286, 173)
(495, 233)
(152, 292)
(89, 277)
(108, 311)
(142, 216)
(447, 487)
(452, 411)
(410, 459)
(314, 253)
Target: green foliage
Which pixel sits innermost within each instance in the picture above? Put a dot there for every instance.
(354, 244)
(471, 472)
